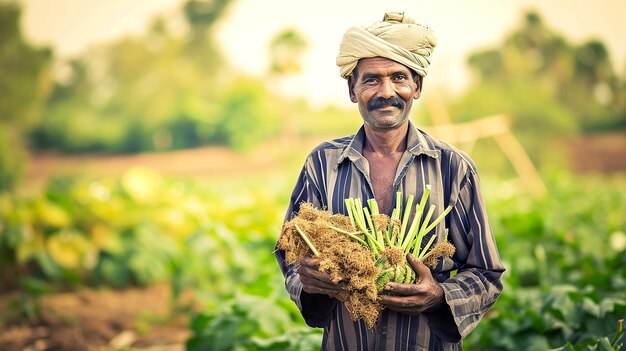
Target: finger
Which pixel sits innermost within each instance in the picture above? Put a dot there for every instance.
(391, 300)
(319, 286)
(310, 262)
(416, 264)
(421, 271)
(314, 276)
(402, 304)
(400, 289)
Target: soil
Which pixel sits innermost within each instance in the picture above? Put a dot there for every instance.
(88, 319)
(603, 153)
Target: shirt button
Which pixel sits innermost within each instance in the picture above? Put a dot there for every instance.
(383, 330)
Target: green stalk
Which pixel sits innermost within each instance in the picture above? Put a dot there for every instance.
(359, 218)
(307, 241)
(422, 204)
(358, 210)
(438, 219)
(373, 206)
(427, 247)
(425, 196)
(391, 236)
(398, 208)
(377, 238)
(381, 234)
(351, 235)
(387, 238)
(431, 226)
(421, 233)
(408, 240)
(405, 218)
(395, 216)
(349, 204)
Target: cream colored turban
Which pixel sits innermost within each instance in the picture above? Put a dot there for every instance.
(397, 38)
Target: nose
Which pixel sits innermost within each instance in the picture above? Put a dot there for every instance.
(387, 89)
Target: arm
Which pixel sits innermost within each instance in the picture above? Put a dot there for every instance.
(454, 306)
(477, 284)
(316, 308)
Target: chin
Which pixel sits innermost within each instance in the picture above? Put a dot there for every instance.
(388, 126)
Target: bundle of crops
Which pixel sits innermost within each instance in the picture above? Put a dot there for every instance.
(366, 249)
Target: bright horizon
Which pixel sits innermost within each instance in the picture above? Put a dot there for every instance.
(71, 26)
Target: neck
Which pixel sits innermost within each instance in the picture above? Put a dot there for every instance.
(386, 141)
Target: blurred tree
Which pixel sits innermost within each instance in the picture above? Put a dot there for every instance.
(249, 114)
(25, 83)
(155, 92)
(202, 14)
(546, 84)
(24, 68)
(286, 49)
(285, 54)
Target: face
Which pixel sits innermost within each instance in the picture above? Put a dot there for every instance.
(384, 91)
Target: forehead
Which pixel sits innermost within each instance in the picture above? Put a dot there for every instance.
(380, 65)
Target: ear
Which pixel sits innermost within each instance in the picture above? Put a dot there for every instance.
(417, 94)
(351, 88)
(419, 82)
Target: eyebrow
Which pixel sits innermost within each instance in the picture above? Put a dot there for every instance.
(376, 75)
(369, 75)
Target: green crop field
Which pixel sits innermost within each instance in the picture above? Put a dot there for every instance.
(565, 285)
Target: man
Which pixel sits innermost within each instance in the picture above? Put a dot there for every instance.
(384, 65)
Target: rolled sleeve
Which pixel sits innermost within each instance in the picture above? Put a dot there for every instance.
(477, 285)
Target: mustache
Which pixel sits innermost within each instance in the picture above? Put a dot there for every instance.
(382, 102)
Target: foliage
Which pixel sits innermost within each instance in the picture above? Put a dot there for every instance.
(546, 84)
(248, 322)
(160, 91)
(286, 49)
(25, 79)
(565, 259)
(564, 285)
(24, 71)
(12, 160)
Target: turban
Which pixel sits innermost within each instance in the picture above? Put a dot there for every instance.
(397, 37)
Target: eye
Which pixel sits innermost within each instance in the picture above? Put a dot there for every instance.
(400, 77)
(370, 81)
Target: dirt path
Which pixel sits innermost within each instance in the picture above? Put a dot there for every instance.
(204, 161)
(97, 320)
(604, 153)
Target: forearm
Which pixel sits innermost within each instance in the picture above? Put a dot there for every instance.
(468, 296)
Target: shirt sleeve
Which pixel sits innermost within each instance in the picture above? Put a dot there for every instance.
(317, 310)
(477, 284)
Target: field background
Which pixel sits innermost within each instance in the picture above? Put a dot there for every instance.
(144, 180)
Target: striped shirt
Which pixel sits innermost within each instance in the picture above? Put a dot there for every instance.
(337, 170)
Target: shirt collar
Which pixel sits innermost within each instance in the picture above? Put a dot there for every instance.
(417, 144)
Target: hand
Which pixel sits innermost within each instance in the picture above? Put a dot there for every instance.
(423, 296)
(316, 282)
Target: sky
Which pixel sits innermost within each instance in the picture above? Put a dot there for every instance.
(461, 27)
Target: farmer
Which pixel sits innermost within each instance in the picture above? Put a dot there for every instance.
(384, 65)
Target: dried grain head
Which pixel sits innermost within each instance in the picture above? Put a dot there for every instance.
(381, 222)
(394, 255)
(441, 249)
(290, 242)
